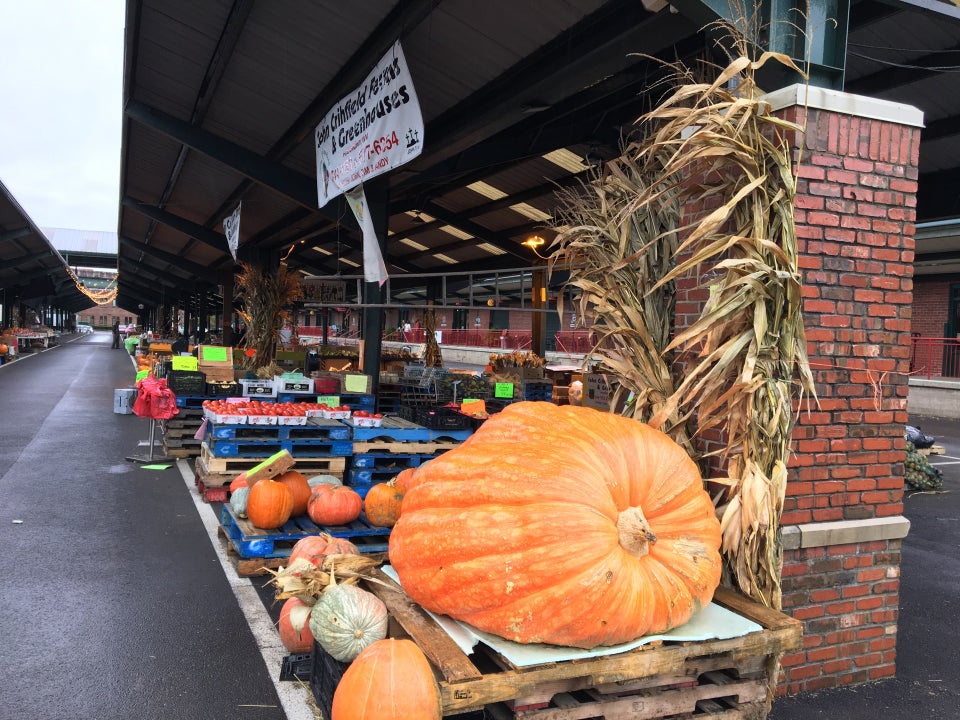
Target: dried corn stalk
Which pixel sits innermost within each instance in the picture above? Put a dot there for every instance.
(302, 579)
(616, 257)
(745, 356)
(266, 297)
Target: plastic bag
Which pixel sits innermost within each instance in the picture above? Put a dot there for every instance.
(919, 438)
(154, 399)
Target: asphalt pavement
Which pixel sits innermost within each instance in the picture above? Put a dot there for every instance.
(114, 603)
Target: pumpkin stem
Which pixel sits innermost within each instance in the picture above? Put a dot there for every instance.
(634, 532)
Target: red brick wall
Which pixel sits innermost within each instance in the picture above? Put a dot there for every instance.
(847, 597)
(855, 221)
(931, 304)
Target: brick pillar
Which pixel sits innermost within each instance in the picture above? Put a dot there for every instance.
(842, 522)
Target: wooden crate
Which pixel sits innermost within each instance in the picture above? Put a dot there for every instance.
(731, 679)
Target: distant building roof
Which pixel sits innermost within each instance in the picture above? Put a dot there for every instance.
(84, 247)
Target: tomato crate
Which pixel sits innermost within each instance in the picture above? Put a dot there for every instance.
(327, 431)
(269, 548)
(297, 448)
(730, 678)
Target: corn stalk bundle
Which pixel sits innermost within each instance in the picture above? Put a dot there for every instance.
(616, 253)
(266, 297)
(432, 356)
(744, 357)
(303, 580)
(726, 147)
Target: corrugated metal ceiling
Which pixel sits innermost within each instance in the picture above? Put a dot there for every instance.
(222, 98)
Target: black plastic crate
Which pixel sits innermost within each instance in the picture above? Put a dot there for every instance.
(325, 674)
(441, 418)
(224, 389)
(186, 382)
(296, 666)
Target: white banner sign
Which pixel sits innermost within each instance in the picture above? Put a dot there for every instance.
(373, 129)
(231, 228)
(374, 269)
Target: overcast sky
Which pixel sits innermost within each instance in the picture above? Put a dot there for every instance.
(61, 70)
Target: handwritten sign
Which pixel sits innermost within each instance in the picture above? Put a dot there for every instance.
(183, 362)
(329, 400)
(355, 383)
(503, 390)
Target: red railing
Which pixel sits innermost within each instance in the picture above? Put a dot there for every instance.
(575, 342)
(935, 357)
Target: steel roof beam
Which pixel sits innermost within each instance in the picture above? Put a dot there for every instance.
(182, 225)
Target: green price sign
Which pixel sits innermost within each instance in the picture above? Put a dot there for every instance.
(503, 390)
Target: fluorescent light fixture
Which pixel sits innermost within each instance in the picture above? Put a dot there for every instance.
(413, 243)
(530, 211)
(456, 232)
(351, 263)
(321, 250)
(492, 249)
(445, 258)
(569, 161)
(488, 191)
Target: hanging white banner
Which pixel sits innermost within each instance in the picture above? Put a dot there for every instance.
(374, 269)
(375, 128)
(231, 228)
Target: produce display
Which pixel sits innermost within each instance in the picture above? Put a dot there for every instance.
(238, 413)
(562, 525)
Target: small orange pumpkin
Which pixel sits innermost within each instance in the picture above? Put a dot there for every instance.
(334, 505)
(269, 504)
(382, 504)
(389, 680)
(298, 488)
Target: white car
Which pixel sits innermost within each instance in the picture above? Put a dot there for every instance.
(84, 328)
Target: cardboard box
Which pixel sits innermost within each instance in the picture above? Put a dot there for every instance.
(296, 385)
(258, 388)
(216, 362)
(123, 400)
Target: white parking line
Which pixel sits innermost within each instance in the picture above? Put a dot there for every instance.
(293, 695)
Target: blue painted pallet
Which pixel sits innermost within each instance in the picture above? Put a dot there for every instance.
(459, 435)
(393, 428)
(388, 461)
(365, 477)
(324, 430)
(190, 401)
(297, 448)
(252, 542)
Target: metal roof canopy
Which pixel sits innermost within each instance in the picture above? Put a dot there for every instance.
(31, 269)
(221, 99)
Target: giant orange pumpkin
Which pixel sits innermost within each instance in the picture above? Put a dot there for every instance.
(560, 524)
(269, 504)
(389, 680)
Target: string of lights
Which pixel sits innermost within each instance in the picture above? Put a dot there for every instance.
(101, 296)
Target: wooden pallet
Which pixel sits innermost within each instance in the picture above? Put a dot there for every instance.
(403, 448)
(730, 679)
(212, 465)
